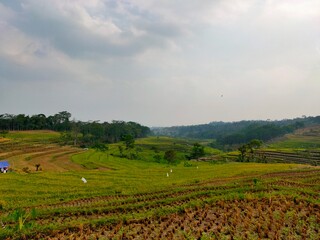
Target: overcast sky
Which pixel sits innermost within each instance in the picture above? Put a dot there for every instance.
(161, 62)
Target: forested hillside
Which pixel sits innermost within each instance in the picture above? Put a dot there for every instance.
(78, 132)
(238, 132)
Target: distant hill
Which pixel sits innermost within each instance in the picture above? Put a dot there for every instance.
(304, 138)
(238, 132)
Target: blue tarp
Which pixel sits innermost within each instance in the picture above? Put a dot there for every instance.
(4, 164)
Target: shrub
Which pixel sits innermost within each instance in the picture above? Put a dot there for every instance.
(2, 204)
(187, 164)
(26, 170)
(157, 158)
(170, 155)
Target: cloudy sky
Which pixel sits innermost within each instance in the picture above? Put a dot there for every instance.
(161, 62)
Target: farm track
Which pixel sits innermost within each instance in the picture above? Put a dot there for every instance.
(193, 211)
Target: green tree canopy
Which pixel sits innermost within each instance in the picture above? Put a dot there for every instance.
(128, 141)
(197, 151)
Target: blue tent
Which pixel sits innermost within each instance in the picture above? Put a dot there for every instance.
(4, 164)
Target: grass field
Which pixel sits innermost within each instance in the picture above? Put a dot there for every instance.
(297, 142)
(143, 199)
(35, 135)
(307, 138)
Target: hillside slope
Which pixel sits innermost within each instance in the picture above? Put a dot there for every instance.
(238, 132)
(26, 149)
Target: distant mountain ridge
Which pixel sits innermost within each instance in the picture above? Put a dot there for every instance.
(240, 131)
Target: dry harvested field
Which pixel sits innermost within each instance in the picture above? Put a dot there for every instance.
(283, 205)
(25, 153)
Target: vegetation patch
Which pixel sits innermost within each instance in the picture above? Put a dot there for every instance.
(164, 197)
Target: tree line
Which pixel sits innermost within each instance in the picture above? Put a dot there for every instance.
(20, 122)
(255, 131)
(234, 133)
(72, 131)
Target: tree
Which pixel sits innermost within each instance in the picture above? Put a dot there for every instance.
(170, 155)
(75, 131)
(121, 151)
(254, 144)
(61, 120)
(65, 138)
(101, 147)
(21, 121)
(85, 133)
(197, 151)
(128, 141)
(243, 150)
(247, 150)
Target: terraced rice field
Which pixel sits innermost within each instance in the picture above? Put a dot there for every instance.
(283, 205)
(302, 156)
(134, 199)
(25, 154)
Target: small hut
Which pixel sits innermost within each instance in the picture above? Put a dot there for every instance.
(4, 165)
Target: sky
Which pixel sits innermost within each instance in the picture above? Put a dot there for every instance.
(161, 63)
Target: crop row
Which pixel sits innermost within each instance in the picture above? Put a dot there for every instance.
(91, 210)
(275, 218)
(299, 157)
(102, 216)
(27, 149)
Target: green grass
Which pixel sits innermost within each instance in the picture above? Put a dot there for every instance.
(108, 174)
(115, 175)
(129, 178)
(40, 135)
(168, 143)
(292, 141)
(152, 146)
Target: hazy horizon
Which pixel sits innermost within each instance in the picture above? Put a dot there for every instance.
(161, 63)
(74, 118)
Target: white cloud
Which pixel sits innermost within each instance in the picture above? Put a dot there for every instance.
(292, 9)
(160, 62)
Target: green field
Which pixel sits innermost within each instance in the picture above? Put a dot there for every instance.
(302, 139)
(35, 135)
(141, 198)
(297, 142)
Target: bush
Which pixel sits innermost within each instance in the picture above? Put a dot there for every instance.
(2, 204)
(197, 151)
(26, 170)
(170, 155)
(157, 158)
(187, 164)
